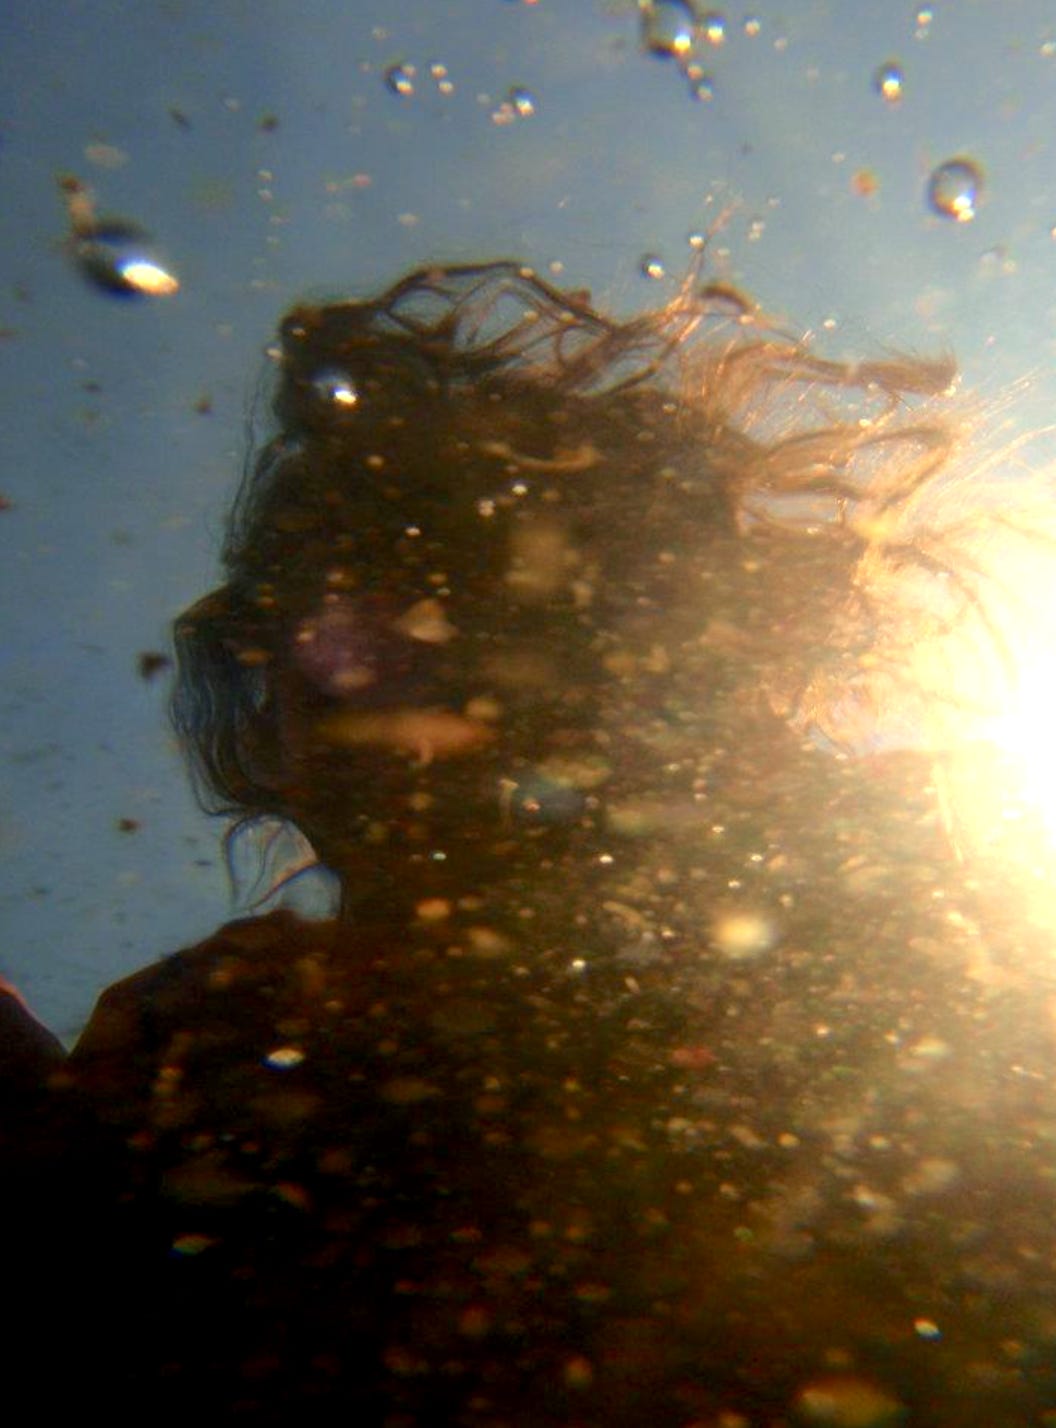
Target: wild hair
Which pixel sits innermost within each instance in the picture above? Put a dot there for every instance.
(818, 469)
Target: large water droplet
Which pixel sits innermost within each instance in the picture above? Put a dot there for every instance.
(652, 267)
(119, 258)
(888, 81)
(668, 27)
(954, 189)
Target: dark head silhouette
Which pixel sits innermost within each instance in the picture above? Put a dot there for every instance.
(506, 559)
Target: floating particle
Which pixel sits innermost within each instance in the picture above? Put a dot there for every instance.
(128, 825)
(888, 81)
(284, 1058)
(954, 188)
(752, 26)
(268, 123)
(6, 504)
(151, 663)
(400, 79)
(652, 267)
(924, 17)
(578, 1372)
(106, 156)
(845, 1401)
(179, 118)
(927, 1329)
(668, 28)
(741, 935)
(864, 183)
(190, 1245)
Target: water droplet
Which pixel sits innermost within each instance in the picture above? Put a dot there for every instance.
(713, 27)
(668, 28)
(924, 17)
(652, 267)
(888, 81)
(118, 257)
(752, 26)
(523, 101)
(400, 79)
(954, 189)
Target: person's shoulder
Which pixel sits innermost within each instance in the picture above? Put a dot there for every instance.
(156, 1000)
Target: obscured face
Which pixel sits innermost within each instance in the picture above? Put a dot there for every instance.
(492, 642)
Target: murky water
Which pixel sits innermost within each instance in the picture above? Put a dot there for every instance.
(634, 672)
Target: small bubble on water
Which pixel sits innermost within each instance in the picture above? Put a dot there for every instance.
(752, 26)
(400, 79)
(924, 17)
(652, 267)
(668, 27)
(954, 188)
(888, 81)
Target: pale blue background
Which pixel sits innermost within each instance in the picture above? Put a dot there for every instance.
(119, 494)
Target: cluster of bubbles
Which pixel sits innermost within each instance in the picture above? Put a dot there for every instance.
(680, 30)
(402, 79)
(519, 103)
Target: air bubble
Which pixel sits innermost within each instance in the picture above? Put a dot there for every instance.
(954, 188)
(888, 81)
(335, 388)
(119, 258)
(668, 28)
(713, 27)
(113, 254)
(523, 102)
(400, 79)
(652, 267)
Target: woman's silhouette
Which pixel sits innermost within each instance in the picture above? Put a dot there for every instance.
(648, 1073)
